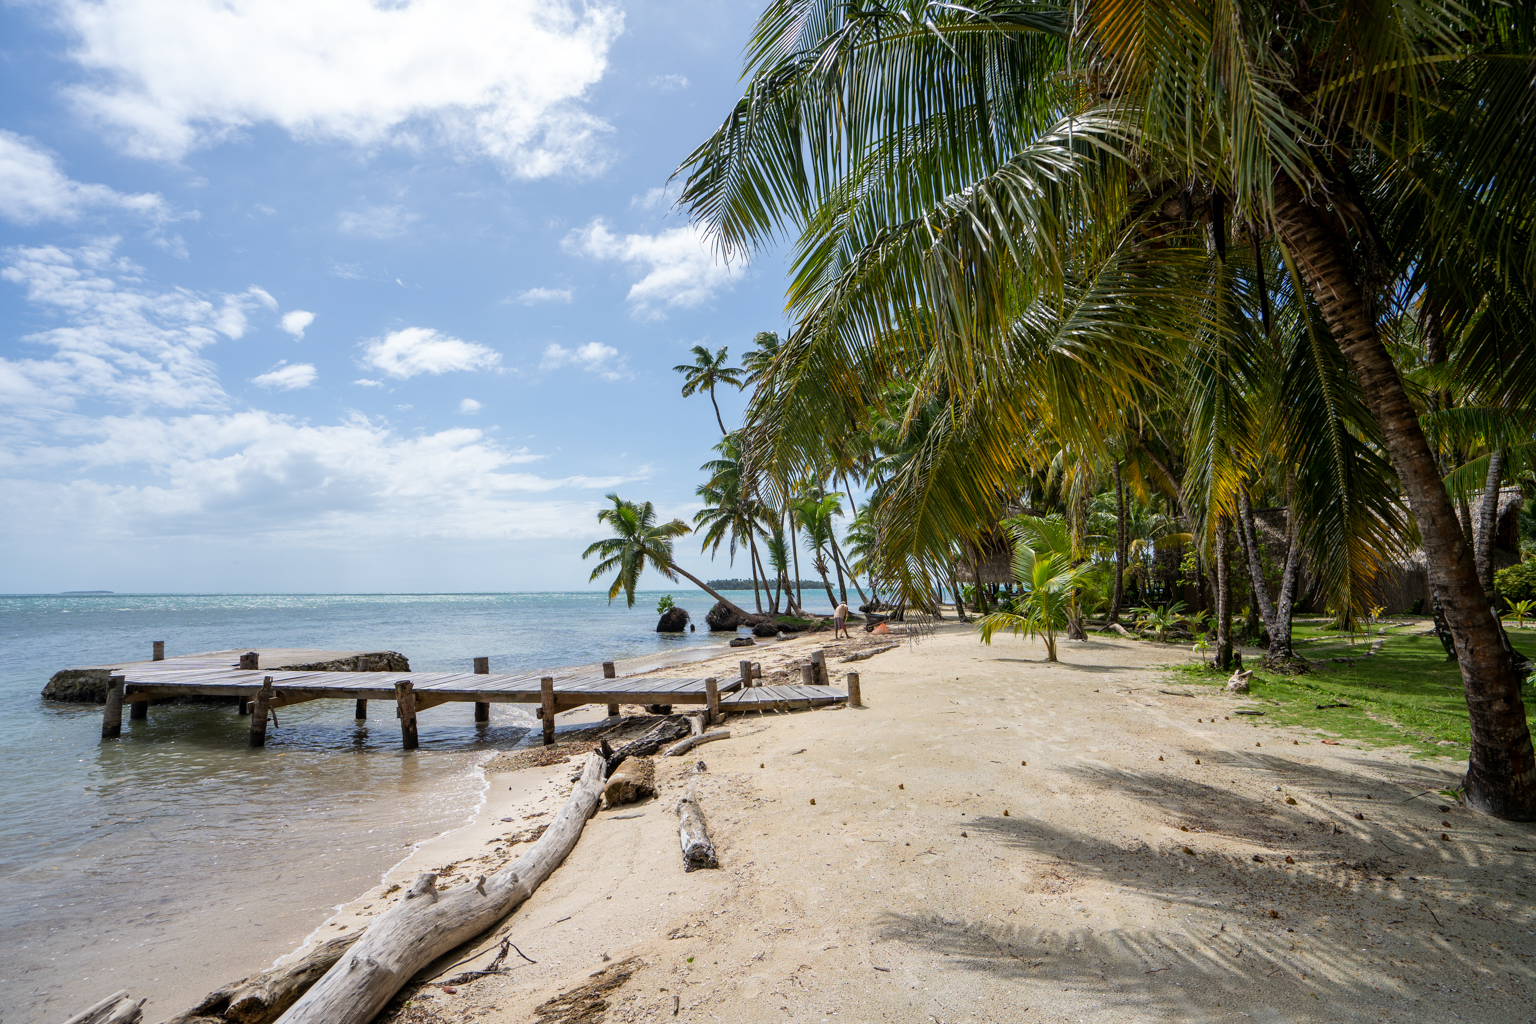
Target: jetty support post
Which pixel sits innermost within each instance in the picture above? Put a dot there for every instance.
(808, 674)
(854, 699)
(260, 709)
(547, 706)
(245, 705)
(138, 710)
(405, 701)
(112, 714)
(819, 664)
(712, 696)
(482, 707)
(746, 674)
(610, 671)
(157, 650)
(361, 713)
(757, 671)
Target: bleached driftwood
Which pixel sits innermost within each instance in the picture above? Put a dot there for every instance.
(635, 780)
(261, 998)
(414, 932)
(683, 746)
(658, 737)
(698, 850)
(117, 1008)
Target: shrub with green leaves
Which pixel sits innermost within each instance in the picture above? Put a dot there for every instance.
(664, 605)
(1518, 582)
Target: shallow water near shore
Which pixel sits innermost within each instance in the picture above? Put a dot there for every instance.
(176, 858)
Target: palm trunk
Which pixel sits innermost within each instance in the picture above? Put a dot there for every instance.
(1223, 598)
(794, 548)
(837, 556)
(1277, 613)
(1121, 545)
(821, 567)
(711, 591)
(756, 567)
(718, 420)
(1501, 771)
(1488, 519)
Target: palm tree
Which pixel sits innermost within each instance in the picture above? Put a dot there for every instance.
(639, 541)
(816, 511)
(757, 361)
(997, 191)
(729, 514)
(705, 373)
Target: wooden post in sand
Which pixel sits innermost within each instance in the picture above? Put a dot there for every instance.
(819, 665)
(260, 708)
(405, 699)
(361, 713)
(482, 708)
(854, 699)
(712, 696)
(746, 674)
(138, 709)
(157, 650)
(757, 671)
(112, 714)
(547, 705)
(808, 674)
(611, 671)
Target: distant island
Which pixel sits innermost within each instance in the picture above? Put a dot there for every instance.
(79, 593)
(747, 584)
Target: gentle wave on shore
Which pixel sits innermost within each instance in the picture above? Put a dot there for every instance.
(174, 857)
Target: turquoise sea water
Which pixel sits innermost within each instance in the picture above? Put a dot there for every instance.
(166, 860)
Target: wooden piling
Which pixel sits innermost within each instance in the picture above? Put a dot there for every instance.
(712, 696)
(547, 706)
(610, 671)
(482, 707)
(405, 700)
(261, 707)
(361, 714)
(245, 705)
(757, 670)
(250, 660)
(746, 674)
(157, 650)
(854, 700)
(808, 674)
(112, 714)
(138, 709)
(819, 663)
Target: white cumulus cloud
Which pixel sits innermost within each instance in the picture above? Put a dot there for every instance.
(469, 405)
(594, 356)
(534, 296)
(295, 321)
(680, 270)
(499, 78)
(118, 340)
(415, 350)
(34, 189)
(288, 377)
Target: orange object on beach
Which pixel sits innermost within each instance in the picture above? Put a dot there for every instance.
(881, 628)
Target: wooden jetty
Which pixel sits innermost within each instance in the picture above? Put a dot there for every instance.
(259, 692)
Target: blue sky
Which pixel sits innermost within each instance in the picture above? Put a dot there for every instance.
(336, 295)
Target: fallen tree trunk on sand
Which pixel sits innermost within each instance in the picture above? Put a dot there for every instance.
(683, 746)
(261, 998)
(117, 1008)
(428, 923)
(664, 733)
(698, 849)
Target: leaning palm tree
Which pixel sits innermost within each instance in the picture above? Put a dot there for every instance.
(639, 541)
(705, 373)
(979, 188)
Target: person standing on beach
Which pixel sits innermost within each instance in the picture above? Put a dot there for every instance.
(840, 621)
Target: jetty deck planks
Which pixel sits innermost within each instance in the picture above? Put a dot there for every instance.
(205, 675)
(781, 698)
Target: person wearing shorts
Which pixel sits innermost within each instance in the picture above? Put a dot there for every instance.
(840, 621)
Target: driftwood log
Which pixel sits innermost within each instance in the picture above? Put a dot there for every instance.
(660, 736)
(634, 780)
(117, 1008)
(415, 932)
(683, 746)
(698, 850)
(261, 998)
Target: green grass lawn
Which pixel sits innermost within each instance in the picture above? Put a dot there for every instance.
(1407, 694)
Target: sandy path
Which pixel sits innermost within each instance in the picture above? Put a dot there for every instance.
(939, 878)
